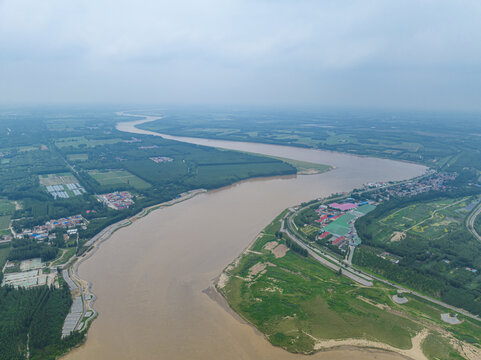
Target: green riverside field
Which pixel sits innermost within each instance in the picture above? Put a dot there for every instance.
(297, 303)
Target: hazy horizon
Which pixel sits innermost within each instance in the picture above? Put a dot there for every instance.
(377, 54)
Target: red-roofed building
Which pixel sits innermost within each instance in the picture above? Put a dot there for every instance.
(324, 234)
(338, 240)
(322, 218)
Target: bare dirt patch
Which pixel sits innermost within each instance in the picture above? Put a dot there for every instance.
(398, 236)
(223, 280)
(453, 320)
(271, 245)
(415, 352)
(280, 251)
(256, 269)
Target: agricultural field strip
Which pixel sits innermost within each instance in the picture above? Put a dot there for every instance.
(434, 213)
(339, 264)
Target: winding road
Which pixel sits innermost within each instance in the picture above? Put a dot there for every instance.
(470, 222)
(358, 275)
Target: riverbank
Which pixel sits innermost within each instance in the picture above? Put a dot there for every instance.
(164, 261)
(277, 296)
(82, 288)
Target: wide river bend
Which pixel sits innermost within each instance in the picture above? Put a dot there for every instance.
(149, 277)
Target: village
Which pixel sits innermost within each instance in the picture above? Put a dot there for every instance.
(35, 272)
(435, 180)
(336, 222)
(117, 200)
(44, 232)
(335, 225)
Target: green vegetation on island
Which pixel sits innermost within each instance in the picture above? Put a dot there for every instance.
(302, 306)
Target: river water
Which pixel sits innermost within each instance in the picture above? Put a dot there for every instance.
(149, 277)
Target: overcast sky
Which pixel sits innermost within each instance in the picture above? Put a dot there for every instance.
(408, 54)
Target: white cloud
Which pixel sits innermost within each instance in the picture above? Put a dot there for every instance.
(242, 51)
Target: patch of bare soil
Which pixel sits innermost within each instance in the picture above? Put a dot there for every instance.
(398, 236)
(280, 251)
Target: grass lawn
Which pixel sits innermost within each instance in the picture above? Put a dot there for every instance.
(118, 177)
(57, 179)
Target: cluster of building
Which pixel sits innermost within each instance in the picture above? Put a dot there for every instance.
(117, 200)
(29, 273)
(161, 159)
(388, 256)
(42, 232)
(435, 181)
(336, 221)
(59, 191)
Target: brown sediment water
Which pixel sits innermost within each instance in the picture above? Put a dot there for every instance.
(149, 277)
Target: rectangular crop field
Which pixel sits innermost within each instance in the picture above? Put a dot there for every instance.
(57, 179)
(81, 140)
(62, 185)
(4, 250)
(7, 208)
(432, 219)
(118, 177)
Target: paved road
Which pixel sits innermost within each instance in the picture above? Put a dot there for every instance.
(470, 222)
(351, 254)
(360, 275)
(332, 263)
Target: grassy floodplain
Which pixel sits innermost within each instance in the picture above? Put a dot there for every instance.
(302, 306)
(306, 168)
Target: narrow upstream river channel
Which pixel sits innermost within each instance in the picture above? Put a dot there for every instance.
(149, 277)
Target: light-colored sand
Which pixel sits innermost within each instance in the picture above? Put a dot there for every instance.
(415, 352)
(223, 280)
(447, 318)
(256, 269)
(271, 245)
(399, 300)
(398, 236)
(280, 251)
